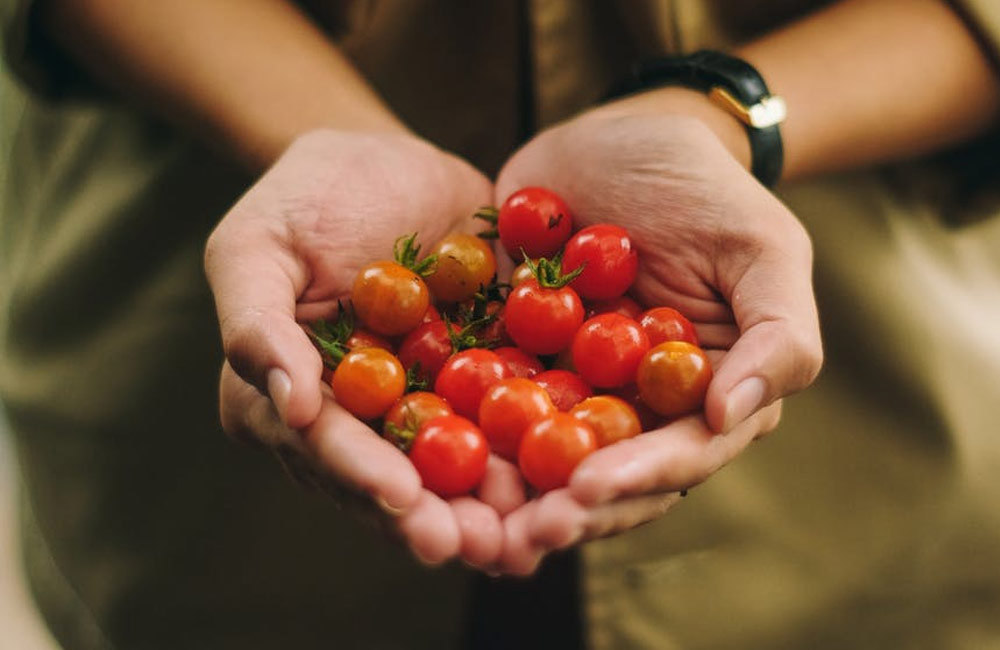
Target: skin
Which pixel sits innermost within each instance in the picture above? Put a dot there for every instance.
(739, 264)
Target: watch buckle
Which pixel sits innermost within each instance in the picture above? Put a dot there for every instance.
(769, 111)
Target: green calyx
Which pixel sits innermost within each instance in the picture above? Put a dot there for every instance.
(331, 338)
(490, 215)
(406, 250)
(549, 273)
(466, 337)
(415, 379)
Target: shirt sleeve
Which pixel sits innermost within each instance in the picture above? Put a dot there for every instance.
(33, 59)
(983, 18)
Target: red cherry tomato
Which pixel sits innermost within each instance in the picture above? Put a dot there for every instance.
(666, 324)
(389, 298)
(611, 418)
(551, 449)
(673, 378)
(495, 333)
(464, 264)
(564, 387)
(607, 350)
(450, 454)
(507, 409)
(365, 339)
(609, 259)
(368, 381)
(621, 305)
(536, 220)
(430, 346)
(409, 413)
(542, 320)
(431, 314)
(466, 377)
(521, 363)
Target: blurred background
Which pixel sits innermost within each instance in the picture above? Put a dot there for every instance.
(19, 620)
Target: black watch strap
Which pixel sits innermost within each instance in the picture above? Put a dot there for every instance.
(734, 85)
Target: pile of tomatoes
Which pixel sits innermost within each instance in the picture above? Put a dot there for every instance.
(452, 366)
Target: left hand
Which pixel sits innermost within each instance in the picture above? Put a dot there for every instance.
(714, 244)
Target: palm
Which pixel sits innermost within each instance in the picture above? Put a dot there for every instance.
(712, 243)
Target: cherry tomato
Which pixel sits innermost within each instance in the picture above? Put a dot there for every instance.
(521, 273)
(368, 381)
(495, 333)
(673, 378)
(648, 418)
(389, 298)
(507, 409)
(364, 339)
(536, 220)
(607, 350)
(431, 314)
(521, 363)
(409, 413)
(611, 418)
(542, 320)
(564, 387)
(667, 324)
(551, 449)
(430, 346)
(623, 305)
(450, 454)
(466, 377)
(464, 264)
(609, 261)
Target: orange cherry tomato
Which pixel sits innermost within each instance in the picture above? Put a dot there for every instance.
(368, 381)
(389, 298)
(464, 264)
(409, 413)
(673, 378)
(611, 418)
(521, 273)
(507, 409)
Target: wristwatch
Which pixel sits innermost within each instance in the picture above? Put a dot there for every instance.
(732, 84)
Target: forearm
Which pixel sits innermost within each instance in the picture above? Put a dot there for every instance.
(868, 81)
(246, 75)
(865, 81)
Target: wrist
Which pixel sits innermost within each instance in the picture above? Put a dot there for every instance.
(678, 100)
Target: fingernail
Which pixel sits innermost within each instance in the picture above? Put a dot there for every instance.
(279, 387)
(390, 510)
(743, 400)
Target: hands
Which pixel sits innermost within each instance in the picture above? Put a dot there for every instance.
(283, 255)
(714, 244)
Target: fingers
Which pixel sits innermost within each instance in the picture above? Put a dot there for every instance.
(430, 529)
(557, 520)
(502, 487)
(480, 531)
(349, 450)
(256, 279)
(676, 457)
(779, 350)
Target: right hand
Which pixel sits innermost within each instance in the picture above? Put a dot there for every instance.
(283, 256)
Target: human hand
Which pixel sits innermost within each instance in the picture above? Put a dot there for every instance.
(283, 256)
(712, 243)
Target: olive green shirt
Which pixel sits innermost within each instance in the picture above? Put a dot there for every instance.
(869, 519)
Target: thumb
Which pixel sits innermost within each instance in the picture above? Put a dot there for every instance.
(779, 350)
(256, 280)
